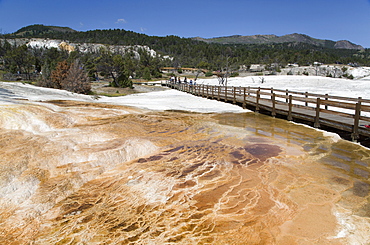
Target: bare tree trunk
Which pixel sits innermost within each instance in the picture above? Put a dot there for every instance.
(114, 79)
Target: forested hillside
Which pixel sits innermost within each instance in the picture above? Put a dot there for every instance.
(189, 52)
(273, 39)
(183, 52)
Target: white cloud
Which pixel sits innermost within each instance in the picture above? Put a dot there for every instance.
(142, 29)
(121, 21)
(81, 24)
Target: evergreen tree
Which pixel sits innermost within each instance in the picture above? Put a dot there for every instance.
(19, 60)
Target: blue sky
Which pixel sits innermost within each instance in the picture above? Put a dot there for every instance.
(324, 19)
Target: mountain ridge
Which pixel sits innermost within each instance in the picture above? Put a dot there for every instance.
(39, 30)
(289, 38)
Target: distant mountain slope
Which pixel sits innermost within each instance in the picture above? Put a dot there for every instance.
(271, 39)
(33, 30)
(56, 32)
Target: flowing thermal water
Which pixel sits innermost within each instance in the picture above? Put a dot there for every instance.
(90, 173)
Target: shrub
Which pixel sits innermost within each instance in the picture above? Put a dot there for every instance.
(124, 81)
(146, 74)
(234, 74)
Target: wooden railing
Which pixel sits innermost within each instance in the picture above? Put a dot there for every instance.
(344, 113)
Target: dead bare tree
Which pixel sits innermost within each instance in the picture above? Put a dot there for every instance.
(77, 80)
(221, 78)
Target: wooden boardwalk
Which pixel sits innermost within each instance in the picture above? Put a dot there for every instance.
(333, 113)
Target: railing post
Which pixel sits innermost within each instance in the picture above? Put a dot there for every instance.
(234, 95)
(326, 98)
(219, 91)
(244, 95)
(225, 93)
(207, 90)
(249, 89)
(306, 96)
(290, 116)
(258, 100)
(273, 112)
(272, 92)
(317, 117)
(355, 135)
(287, 93)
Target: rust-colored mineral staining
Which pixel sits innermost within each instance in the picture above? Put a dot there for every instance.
(88, 173)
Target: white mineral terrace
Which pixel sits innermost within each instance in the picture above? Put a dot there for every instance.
(171, 168)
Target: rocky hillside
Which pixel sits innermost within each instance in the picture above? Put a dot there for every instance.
(270, 39)
(344, 44)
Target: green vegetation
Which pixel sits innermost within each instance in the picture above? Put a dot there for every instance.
(138, 63)
(191, 53)
(35, 30)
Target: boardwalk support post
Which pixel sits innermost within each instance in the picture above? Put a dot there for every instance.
(317, 117)
(355, 134)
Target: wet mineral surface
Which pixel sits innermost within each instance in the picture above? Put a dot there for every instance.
(90, 173)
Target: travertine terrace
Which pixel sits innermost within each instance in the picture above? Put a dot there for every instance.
(80, 172)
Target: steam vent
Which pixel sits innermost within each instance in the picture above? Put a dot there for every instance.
(75, 172)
